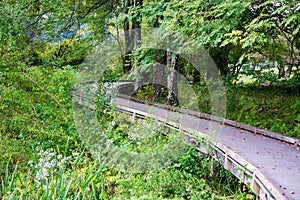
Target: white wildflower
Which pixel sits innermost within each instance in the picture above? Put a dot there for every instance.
(75, 154)
(113, 123)
(52, 154)
(47, 165)
(30, 162)
(48, 162)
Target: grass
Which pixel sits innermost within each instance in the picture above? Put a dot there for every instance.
(272, 108)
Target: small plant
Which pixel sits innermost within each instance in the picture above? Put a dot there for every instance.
(54, 176)
(47, 163)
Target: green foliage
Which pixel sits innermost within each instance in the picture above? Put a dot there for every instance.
(35, 106)
(147, 93)
(262, 75)
(14, 152)
(54, 175)
(233, 32)
(67, 52)
(35, 102)
(166, 184)
(204, 100)
(29, 104)
(72, 177)
(271, 108)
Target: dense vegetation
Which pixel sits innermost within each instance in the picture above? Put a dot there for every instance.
(254, 44)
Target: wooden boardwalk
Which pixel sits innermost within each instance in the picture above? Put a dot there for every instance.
(269, 162)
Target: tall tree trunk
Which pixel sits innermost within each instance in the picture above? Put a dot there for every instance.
(172, 98)
(159, 74)
(220, 57)
(132, 41)
(159, 80)
(128, 39)
(281, 71)
(291, 62)
(137, 43)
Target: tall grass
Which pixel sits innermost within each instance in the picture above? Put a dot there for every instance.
(74, 179)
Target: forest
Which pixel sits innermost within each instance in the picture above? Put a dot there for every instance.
(252, 47)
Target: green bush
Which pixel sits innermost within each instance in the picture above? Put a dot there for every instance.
(14, 153)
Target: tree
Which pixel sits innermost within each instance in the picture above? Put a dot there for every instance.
(272, 33)
(172, 98)
(132, 38)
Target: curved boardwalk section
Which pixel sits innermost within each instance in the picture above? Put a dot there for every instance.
(270, 165)
(268, 162)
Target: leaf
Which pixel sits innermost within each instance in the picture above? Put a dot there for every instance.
(290, 19)
(242, 58)
(296, 31)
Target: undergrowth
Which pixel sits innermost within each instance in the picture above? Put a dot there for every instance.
(51, 175)
(272, 108)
